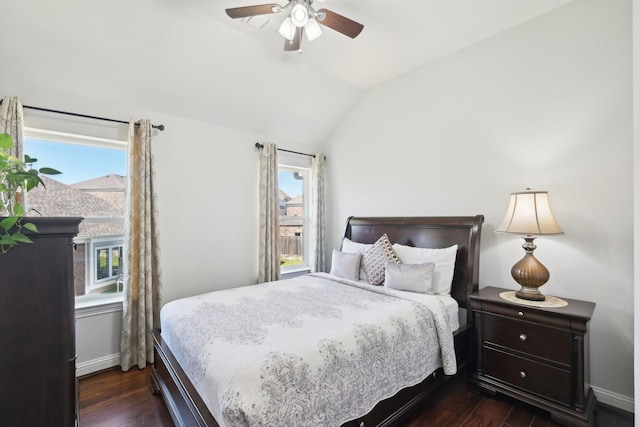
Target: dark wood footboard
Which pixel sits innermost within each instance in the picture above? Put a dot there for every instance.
(167, 378)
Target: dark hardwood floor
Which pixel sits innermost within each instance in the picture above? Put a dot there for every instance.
(116, 399)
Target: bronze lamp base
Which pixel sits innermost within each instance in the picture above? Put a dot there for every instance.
(529, 273)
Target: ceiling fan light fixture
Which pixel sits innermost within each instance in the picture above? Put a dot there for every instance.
(287, 29)
(299, 15)
(300, 18)
(312, 29)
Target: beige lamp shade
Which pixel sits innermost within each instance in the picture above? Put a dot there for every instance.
(529, 213)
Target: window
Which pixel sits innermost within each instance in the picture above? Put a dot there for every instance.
(91, 186)
(293, 186)
(106, 267)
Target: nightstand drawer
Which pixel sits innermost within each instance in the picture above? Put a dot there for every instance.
(544, 380)
(534, 339)
(527, 314)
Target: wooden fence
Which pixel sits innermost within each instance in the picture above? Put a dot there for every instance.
(291, 245)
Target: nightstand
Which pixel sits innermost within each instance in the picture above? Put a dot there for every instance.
(538, 355)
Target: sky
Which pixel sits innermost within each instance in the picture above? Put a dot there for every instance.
(288, 184)
(76, 162)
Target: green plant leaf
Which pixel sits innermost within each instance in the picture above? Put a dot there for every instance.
(6, 142)
(18, 210)
(16, 177)
(15, 160)
(21, 238)
(30, 226)
(6, 239)
(49, 171)
(32, 183)
(8, 222)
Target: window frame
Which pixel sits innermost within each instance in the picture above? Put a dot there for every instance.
(89, 299)
(306, 192)
(101, 243)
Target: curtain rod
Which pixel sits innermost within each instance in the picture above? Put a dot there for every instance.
(260, 146)
(48, 110)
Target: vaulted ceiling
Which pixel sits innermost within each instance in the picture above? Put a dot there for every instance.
(188, 58)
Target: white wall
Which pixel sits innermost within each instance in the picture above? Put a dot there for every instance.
(545, 105)
(98, 338)
(207, 190)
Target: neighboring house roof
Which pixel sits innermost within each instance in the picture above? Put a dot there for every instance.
(283, 196)
(102, 183)
(109, 187)
(58, 199)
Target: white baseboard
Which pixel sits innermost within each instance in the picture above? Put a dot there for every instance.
(614, 399)
(95, 365)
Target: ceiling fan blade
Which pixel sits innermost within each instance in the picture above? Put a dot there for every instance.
(294, 44)
(261, 9)
(339, 23)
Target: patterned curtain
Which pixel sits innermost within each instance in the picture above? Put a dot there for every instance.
(269, 239)
(140, 308)
(316, 229)
(11, 122)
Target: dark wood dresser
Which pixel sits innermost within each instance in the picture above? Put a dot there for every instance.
(37, 328)
(537, 355)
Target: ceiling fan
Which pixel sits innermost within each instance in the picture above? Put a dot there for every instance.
(302, 18)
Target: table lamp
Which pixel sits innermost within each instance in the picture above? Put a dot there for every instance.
(529, 214)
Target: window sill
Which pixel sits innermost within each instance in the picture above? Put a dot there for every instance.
(99, 305)
(294, 272)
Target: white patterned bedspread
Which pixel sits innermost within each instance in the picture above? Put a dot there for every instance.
(310, 351)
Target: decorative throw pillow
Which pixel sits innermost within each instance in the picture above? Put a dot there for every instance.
(376, 257)
(355, 247)
(444, 260)
(345, 265)
(409, 277)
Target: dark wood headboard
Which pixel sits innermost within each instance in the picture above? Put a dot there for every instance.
(430, 232)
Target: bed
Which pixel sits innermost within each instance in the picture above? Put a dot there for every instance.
(189, 402)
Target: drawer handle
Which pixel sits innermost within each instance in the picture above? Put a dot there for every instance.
(523, 374)
(523, 337)
(520, 313)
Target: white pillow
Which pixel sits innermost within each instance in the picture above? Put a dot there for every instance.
(409, 277)
(352, 247)
(355, 247)
(444, 260)
(345, 265)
